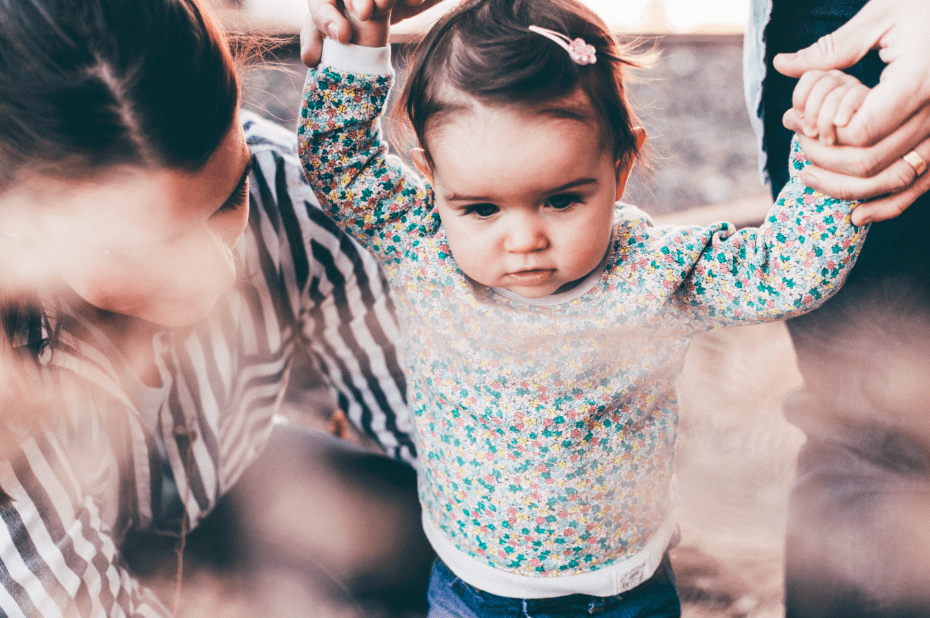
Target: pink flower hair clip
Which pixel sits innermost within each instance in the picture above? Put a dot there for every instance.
(579, 51)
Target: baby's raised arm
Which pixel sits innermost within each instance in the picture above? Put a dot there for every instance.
(368, 192)
(825, 100)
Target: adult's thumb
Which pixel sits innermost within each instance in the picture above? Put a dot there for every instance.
(311, 44)
(838, 50)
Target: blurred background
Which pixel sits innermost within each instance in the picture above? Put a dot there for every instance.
(736, 453)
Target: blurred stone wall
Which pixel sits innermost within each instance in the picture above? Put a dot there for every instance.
(703, 148)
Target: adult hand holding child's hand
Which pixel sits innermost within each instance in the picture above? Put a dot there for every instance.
(867, 158)
(338, 19)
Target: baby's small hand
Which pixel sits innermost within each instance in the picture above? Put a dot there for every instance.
(364, 10)
(327, 18)
(363, 22)
(370, 20)
(823, 101)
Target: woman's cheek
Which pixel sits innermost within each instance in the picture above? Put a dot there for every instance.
(112, 289)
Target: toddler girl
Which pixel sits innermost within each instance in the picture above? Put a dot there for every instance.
(545, 324)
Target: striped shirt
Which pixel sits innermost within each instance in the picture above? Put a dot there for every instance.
(100, 466)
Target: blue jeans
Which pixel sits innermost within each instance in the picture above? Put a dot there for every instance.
(450, 597)
(859, 528)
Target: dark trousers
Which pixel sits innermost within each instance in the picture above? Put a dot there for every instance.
(315, 527)
(859, 530)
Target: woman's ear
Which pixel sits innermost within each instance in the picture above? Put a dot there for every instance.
(418, 155)
(625, 165)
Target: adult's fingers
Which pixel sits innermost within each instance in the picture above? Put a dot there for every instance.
(890, 206)
(324, 19)
(898, 29)
(382, 8)
(803, 88)
(903, 89)
(842, 48)
(311, 44)
(898, 177)
(409, 8)
(868, 161)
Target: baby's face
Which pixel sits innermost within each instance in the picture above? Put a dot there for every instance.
(526, 201)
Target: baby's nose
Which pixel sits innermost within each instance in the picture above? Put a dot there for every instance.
(526, 235)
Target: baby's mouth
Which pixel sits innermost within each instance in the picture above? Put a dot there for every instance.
(534, 276)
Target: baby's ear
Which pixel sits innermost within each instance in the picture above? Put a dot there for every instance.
(418, 155)
(625, 165)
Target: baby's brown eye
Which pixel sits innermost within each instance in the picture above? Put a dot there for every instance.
(561, 202)
(482, 210)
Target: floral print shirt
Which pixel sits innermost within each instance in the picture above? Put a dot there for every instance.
(546, 432)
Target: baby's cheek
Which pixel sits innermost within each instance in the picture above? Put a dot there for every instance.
(474, 256)
(591, 237)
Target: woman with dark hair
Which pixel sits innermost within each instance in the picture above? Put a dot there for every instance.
(163, 258)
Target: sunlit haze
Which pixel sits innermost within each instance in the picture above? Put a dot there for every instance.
(673, 15)
(680, 16)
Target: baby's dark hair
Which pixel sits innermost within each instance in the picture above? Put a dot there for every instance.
(91, 84)
(484, 49)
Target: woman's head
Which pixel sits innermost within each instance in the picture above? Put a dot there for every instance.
(121, 157)
(527, 150)
(95, 84)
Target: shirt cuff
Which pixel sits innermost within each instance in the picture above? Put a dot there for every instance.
(356, 58)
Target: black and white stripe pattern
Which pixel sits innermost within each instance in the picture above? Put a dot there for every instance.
(97, 472)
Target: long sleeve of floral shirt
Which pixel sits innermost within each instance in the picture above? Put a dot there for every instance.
(547, 429)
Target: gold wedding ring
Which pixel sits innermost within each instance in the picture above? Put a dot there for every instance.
(916, 161)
